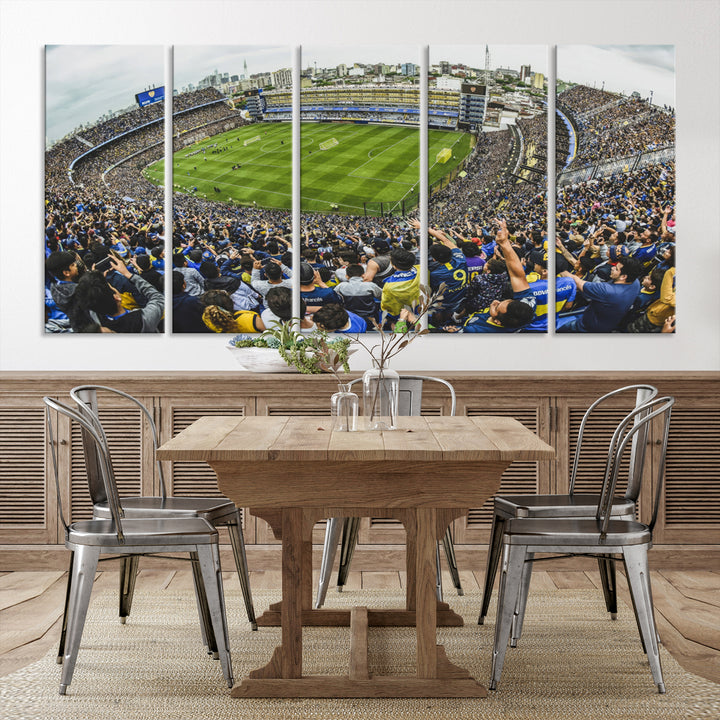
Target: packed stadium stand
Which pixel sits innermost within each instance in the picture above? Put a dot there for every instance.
(609, 125)
(278, 106)
(397, 105)
(99, 154)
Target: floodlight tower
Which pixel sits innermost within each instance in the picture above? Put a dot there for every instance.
(487, 66)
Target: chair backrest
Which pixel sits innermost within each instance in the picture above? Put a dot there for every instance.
(635, 424)
(101, 456)
(643, 394)
(86, 398)
(410, 393)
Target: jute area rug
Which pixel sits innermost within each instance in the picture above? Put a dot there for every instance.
(572, 662)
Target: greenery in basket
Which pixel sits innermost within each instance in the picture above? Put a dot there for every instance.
(311, 353)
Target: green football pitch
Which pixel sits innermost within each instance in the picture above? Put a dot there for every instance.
(343, 166)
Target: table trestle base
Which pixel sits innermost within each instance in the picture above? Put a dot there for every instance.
(327, 617)
(343, 687)
(449, 681)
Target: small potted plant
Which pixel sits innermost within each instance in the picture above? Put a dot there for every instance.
(284, 349)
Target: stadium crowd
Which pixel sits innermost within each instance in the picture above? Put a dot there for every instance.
(612, 126)
(581, 99)
(488, 243)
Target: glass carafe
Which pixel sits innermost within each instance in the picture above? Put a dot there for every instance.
(381, 386)
(344, 408)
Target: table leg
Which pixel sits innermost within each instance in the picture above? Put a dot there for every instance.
(425, 598)
(293, 551)
(286, 662)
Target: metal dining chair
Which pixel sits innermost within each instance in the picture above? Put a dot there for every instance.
(345, 530)
(121, 536)
(572, 504)
(604, 535)
(218, 511)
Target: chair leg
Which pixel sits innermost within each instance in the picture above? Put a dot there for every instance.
(63, 631)
(438, 574)
(81, 583)
(206, 629)
(638, 577)
(510, 579)
(637, 621)
(519, 616)
(332, 537)
(449, 548)
(238, 548)
(494, 553)
(128, 575)
(606, 565)
(347, 548)
(209, 560)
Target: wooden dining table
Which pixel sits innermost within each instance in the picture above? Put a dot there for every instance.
(294, 471)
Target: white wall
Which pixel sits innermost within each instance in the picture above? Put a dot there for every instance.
(692, 26)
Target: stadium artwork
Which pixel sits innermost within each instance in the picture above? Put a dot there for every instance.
(104, 221)
(360, 178)
(615, 222)
(489, 241)
(232, 187)
(487, 205)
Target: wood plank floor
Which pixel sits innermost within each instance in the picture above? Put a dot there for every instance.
(687, 606)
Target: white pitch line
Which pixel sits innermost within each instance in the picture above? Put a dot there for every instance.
(377, 179)
(243, 187)
(232, 156)
(327, 202)
(371, 177)
(374, 157)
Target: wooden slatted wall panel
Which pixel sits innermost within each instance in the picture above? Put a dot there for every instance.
(693, 468)
(316, 411)
(124, 432)
(22, 467)
(520, 477)
(320, 407)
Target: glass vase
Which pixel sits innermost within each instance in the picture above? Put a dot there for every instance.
(380, 398)
(344, 408)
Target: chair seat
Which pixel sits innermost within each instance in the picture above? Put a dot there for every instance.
(578, 532)
(558, 506)
(149, 506)
(145, 531)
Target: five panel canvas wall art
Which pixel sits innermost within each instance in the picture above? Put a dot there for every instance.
(478, 148)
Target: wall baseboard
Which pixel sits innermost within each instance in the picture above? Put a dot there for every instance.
(390, 558)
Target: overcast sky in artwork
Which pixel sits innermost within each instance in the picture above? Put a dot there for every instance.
(192, 63)
(622, 68)
(83, 82)
(330, 56)
(501, 56)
